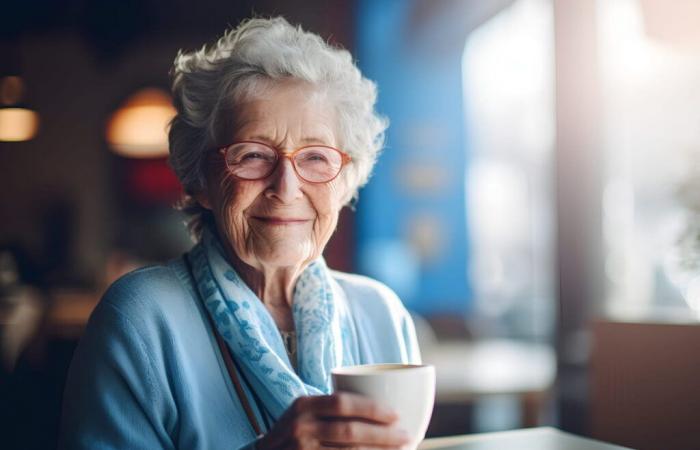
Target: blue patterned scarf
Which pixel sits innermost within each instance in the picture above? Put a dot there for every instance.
(325, 333)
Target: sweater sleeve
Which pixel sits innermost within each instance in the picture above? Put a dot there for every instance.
(252, 445)
(385, 330)
(404, 331)
(113, 397)
(410, 339)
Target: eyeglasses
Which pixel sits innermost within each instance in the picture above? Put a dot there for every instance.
(251, 160)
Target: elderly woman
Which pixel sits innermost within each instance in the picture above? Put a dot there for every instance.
(232, 345)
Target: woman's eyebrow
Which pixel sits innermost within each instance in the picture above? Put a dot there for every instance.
(312, 140)
(261, 138)
(305, 140)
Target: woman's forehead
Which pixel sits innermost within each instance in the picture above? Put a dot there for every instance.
(286, 113)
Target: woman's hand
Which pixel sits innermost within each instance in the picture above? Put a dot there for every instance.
(339, 420)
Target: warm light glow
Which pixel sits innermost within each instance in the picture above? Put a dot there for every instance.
(138, 129)
(18, 124)
(674, 24)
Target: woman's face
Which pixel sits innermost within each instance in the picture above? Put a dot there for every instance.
(280, 221)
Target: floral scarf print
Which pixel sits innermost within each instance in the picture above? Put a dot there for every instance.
(325, 332)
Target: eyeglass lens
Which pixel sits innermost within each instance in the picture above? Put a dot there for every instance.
(252, 161)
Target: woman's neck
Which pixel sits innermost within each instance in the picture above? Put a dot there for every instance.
(274, 286)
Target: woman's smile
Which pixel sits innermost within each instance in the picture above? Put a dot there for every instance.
(281, 221)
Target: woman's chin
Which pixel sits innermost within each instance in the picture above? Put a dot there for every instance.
(284, 254)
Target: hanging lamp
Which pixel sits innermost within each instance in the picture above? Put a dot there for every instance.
(138, 129)
(17, 122)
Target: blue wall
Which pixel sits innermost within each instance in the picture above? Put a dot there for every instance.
(420, 90)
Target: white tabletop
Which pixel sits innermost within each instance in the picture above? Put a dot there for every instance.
(543, 438)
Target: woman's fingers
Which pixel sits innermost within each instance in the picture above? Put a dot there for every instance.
(347, 405)
(342, 433)
(340, 420)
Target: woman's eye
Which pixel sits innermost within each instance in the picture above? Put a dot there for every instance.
(253, 155)
(317, 157)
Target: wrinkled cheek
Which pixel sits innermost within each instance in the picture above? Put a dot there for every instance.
(327, 216)
(235, 227)
(323, 229)
(231, 220)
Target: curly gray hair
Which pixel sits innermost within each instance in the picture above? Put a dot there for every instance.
(207, 84)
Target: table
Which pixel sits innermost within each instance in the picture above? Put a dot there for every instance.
(466, 371)
(542, 438)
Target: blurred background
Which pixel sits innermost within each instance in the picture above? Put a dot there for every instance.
(537, 205)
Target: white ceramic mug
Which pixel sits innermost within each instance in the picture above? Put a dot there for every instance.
(407, 389)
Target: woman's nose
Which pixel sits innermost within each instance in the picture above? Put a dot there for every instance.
(285, 185)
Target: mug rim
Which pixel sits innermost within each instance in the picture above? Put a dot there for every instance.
(366, 369)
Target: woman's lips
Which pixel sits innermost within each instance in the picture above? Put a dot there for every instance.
(281, 220)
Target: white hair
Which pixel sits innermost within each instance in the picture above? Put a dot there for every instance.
(207, 84)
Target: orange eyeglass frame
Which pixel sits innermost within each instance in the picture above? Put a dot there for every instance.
(345, 159)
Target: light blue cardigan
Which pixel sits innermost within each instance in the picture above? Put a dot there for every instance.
(148, 373)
